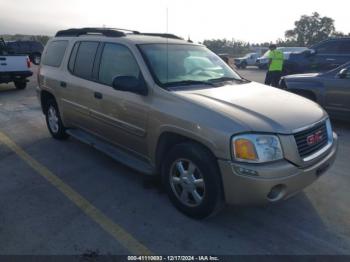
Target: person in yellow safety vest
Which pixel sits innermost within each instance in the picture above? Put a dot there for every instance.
(275, 66)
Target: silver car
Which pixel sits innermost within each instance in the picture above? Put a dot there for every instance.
(169, 108)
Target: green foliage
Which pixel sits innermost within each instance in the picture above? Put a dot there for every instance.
(311, 29)
(230, 47)
(40, 38)
(308, 31)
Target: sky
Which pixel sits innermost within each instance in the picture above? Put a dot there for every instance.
(247, 20)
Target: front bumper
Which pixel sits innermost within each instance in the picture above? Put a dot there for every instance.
(273, 182)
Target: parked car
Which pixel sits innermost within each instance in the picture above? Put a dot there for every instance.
(330, 89)
(13, 68)
(33, 49)
(323, 56)
(247, 60)
(212, 136)
(263, 61)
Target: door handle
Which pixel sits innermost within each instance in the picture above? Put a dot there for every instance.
(63, 84)
(98, 95)
(3, 64)
(330, 59)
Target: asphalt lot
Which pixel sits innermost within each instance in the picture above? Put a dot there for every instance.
(67, 198)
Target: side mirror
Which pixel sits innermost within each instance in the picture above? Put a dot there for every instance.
(344, 73)
(130, 84)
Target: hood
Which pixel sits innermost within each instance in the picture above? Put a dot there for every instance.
(258, 107)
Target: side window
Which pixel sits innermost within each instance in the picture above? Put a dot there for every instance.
(344, 47)
(117, 60)
(84, 60)
(54, 53)
(72, 57)
(328, 48)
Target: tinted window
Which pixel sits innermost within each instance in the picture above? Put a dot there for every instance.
(54, 53)
(73, 55)
(117, 60)
(344, 47)
(328, 48)
(84, 61)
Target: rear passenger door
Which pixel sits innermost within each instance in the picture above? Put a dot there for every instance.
(122, 116)
(77, 90)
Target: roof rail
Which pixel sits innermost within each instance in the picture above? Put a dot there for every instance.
(110, 32)
(162, 35)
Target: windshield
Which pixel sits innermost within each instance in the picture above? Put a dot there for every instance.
(182, 64)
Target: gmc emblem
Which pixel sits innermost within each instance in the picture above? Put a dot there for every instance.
(314, 138)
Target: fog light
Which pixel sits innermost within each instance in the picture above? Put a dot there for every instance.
(277, 192)
(245, 171)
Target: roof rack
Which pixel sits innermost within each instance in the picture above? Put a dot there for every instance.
(162, 35)
(109, 32)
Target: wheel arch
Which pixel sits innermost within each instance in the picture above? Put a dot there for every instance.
(307, 93)
(45, 96)
(168, 139)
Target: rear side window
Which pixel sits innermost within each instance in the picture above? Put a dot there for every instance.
(117, 60)
(344, 47)
(84, 59)
(54, 53)
(330, 47)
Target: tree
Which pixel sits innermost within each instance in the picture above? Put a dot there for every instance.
(311, 29)
(231, 47)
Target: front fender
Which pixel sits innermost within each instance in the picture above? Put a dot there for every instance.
(314, 87)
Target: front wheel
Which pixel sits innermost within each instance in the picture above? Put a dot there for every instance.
(54, 122)
(192, 180)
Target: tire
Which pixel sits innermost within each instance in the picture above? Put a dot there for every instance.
(53, 121)
(20, 84)
(244, 65)
(203, 190)
(263, 67)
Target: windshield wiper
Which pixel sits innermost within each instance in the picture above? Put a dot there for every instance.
(189, 82)
(225, 78)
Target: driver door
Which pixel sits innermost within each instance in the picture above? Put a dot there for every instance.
(121, 117)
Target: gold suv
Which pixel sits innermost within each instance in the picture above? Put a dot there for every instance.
(163, 106)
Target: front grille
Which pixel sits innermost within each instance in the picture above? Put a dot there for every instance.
(311, 140)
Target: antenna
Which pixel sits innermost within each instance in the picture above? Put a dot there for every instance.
(167, 44)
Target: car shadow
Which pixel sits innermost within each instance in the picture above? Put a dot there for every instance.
(7, 89)
(340, 125)
(292, 226)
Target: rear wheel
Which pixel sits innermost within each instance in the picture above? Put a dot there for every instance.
(20, 84)
(53, 120)
(192, 180)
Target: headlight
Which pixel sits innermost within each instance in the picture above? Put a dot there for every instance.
(255, 148)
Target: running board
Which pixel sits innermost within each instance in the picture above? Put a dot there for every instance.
(112, 151)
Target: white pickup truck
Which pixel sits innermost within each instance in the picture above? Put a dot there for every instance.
(14, 68)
